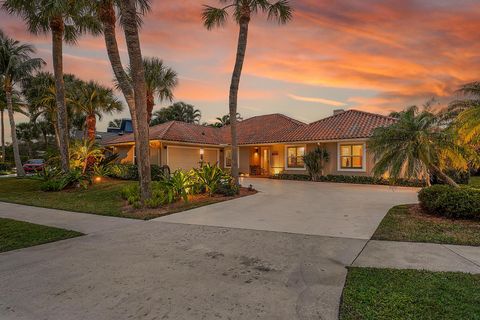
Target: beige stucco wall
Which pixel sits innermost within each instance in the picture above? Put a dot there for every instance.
(125, 153)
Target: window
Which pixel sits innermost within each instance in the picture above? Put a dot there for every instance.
(351, 156)
(295, 157)
(228, 158)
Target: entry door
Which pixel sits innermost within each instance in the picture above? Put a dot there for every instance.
(265, 161)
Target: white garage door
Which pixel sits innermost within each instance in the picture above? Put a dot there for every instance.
(183, 158)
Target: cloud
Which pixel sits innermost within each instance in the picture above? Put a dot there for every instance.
(316, 100)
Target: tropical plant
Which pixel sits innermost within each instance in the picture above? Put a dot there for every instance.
(315, 161)
(467, 121)
(73, 178)
(93, 101)
(179, 111)
(225, 120)
(209, 177)
(160, 81)
(416, 146)
(16, 63)
(84, 154)
(178, 186)
(66, 21)
(115, 123)
(27, 132)
(243, 10)
(17, 107)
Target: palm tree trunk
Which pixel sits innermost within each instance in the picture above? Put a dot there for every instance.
(16, 152)
(91, 126)
(57, 134)
(57, 28)
(233, 97)
(443, 176)
(150, 105)
(2, 123)
(130, 27)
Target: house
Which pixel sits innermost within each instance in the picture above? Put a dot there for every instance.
(268, 144)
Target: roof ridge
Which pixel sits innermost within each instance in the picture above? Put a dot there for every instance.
(352, 110)
(372, 114)
(277, 114)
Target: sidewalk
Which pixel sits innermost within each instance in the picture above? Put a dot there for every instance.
(82, 222)
(412, 255)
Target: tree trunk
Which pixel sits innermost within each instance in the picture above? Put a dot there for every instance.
(57, 28)
(130, 27)
(443, 176)
(150, 105)
(91, 125)
(233, 97)
(2, 123)
(16, 152)
(57, 134)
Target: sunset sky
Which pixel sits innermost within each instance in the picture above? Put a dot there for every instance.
(372, 55)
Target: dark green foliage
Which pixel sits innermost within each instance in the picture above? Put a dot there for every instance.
(228, 187)
(459, 176)
(351, 179)
(6, 166)
(74, 178)
(209, 177)
(463, 203)
(130, 172)
(314, 162)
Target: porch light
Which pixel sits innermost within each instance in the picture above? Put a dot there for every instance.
(202, 152)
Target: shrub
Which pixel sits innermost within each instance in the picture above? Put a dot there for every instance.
(6, 166)
(314, 162)
(459, 176)
(74, 177)
(130, 171)
(209, 177)
(178, 186)
(228, 187)
(351, 179)
(451, 202)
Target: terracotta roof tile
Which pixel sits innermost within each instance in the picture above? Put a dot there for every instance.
(270, 128)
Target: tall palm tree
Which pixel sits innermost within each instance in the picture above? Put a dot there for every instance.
(128, 11)
(467, 111)
(17, 107)
(93, 101)
(66, 20)
(15, 64)
(179, 111)
(416, 146)
(243, 10)
(225, 120)
(129, 14)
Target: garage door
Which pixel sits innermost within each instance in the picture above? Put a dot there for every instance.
(183, 158)
(210, 156)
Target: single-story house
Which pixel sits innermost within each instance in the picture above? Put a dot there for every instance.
(268, 144)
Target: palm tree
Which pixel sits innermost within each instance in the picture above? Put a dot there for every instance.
(468, 112)
(225, 120)
(17, 107)
(115, 123)
(128, 9)
(66, 20)
(27, 132)
(93, 101)
(279, 11)
(15, 65)
(416, 146)
(179, 111)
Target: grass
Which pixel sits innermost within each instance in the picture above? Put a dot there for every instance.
(409, 223)
(18, 234)
(371, 293)
(103, 198)
(475, 182)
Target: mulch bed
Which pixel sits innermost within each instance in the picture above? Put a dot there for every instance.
(194, 201)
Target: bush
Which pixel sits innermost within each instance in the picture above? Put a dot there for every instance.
(451, 202)
(209, 177)
(351, 179)
(314, 162)
(73, 178)
(130, 171)
(6, 166)
(228, 187)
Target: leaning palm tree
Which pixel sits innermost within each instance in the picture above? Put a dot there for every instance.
(15, 65)
(416, 146)
(179, 111)
(93, 101)
(467, 112)
(17, 107)
(243, 10)
(66, 20)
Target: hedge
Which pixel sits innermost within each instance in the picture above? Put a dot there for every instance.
(6, 166)
(351, 179)
(451, 202)
(130, 171)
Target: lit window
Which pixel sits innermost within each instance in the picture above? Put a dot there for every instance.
(351, 156)
(295, 157)
(228, 158)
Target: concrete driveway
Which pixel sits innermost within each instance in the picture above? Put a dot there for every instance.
(327, 209)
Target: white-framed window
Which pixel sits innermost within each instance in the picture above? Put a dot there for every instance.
(351, 156)
(294, 157)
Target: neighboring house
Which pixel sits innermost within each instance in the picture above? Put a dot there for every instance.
(268, 144)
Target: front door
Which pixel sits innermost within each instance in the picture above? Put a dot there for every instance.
(265, 160)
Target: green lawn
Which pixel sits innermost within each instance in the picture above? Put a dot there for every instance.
(475, 182)
(103, 198)
(409, 294)
(406, 223)
(18, 234)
